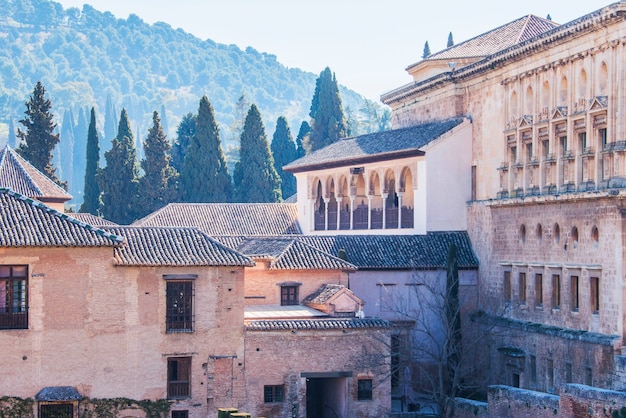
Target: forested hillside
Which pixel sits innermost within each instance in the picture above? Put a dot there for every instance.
(87, 58)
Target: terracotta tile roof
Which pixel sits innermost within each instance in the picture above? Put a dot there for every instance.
(20, 176)
(162, 246)
(288, 253)
(216, 219)
(377, 146)
(25, 222)
(316, 324)
(90, 219)
(497, 39)
(324, 293)
(398, 251)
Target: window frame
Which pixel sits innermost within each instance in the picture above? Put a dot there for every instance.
(507, 286)
(179, 319)
(539, 290)
(14, 296)
(273, 393)
(180, 414)
(289, 295)
(556, 291)
(522, 287)
(575, 293)
(178, 378)
(365, 389)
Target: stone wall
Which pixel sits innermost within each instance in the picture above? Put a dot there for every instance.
(281, 358)
(508, 402)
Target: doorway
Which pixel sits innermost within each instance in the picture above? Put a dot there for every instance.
(326, 394)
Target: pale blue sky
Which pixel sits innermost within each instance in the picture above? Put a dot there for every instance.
(367, 43)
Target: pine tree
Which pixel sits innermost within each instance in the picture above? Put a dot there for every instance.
(158, 184)
(284, 152)
(255, 178)
(302, 138)
(204, 176)
(450, 40)
(39, 139)
(328, 121)
(185, 132)
(426, 53)
(91, 195)
(118, 180)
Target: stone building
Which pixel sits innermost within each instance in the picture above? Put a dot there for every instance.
(545, 215)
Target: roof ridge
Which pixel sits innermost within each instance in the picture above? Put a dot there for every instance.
(22, 169)
(54, 212)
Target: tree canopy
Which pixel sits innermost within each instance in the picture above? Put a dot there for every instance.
(426, 52)
(284, 151)
(118, 181)
(255, 178)
(204, 176)
(328, 121)
(39, 139)
(91, 196)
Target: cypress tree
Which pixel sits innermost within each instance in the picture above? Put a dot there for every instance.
(302, 138)
(118, 180)
(91, 195)
(284, 152)
(39, 139)
(328, 120)
(255, 178)
(426, 52)
(158, 184)
(185, 132)
(204, 176)
(450, 40)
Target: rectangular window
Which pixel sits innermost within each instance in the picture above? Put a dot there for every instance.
(13, 297)
(507, 286)
(522, 288)
(595, 294)
(529, 151)
(563, 145)
(178, 377)
(546, 148)
(474, 191)
(603, 137)
(574, 292)
(273, 393)
(56, 410)
(582, 138)
(533, 369)
(568, 372)
(539, 290)
(556, 291)
(588, 376)
(180, 414)
(179, 310)
(364, 390)
(288, 295)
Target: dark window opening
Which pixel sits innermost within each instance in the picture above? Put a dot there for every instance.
(273, 393)
(180, 414)
(538, 290)
(179, 315)
(507, 286)
(56, 410)
(556, 291)
(288, 295)
(522, 288)
(178, 377)
(574, 290)
(364, 390)
(13, 297)
(595, 295)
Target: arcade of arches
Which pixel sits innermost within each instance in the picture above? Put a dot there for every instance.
(376, 199)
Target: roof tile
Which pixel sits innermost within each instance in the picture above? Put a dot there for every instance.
(316, 324)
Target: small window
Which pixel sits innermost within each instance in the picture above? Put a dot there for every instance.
(273, 393)
(550, 374)
(364, 392)
(556, 233)
(595, 294)
(595, 236)
(568, 372)
(56, 410)
(603, 137)
(582, 138)
(556, 291)
(563, 140)
(522, 288)
(539, 232)
(529, 151)
(574, 293)
(522, 234)
(289, 295)
(533, 369)
(178, 377)
(180, 414)
(538, 290)
(575, 237)
(588, 376)
(13, 297)
(546, 148)
(507, 286)
(179, 309)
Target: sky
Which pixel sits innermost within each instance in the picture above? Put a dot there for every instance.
(368, 44)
